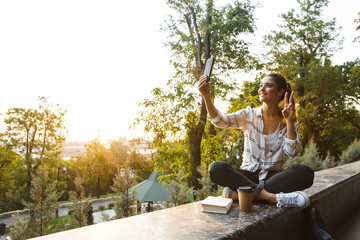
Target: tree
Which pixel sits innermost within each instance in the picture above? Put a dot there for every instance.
(120, 151)
(36, 134)
(10, 180)
(44, 200)
(141, 166)
(137, 153)
(304, 37)
(331, 109)
(100, 167)
(80, 210)
(311, 157)
(178, 187)
(126, 196)
(197, 29)
(20, 230)
(208, 186)
(301, 51)
(171, 157)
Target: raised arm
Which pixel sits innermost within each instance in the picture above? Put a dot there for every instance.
(204, 89)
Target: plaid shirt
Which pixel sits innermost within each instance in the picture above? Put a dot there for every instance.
(254, 157)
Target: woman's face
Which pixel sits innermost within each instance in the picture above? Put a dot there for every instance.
(268, 91)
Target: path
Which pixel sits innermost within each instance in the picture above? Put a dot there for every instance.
(63, 211)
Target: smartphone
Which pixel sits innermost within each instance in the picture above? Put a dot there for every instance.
(208, 67)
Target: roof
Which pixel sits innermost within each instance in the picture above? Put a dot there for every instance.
(151, 189)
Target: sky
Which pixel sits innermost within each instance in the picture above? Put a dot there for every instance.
(98, 58)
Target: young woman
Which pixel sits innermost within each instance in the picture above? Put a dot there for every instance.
(270, 132)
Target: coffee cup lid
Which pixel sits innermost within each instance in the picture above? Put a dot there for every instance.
(245, 189)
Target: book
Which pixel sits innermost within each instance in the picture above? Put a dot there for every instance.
(216, 204)
(208, 67)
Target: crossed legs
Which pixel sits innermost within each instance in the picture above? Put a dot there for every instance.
(294, 178)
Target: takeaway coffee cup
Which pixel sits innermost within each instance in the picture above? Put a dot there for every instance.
(245, 198)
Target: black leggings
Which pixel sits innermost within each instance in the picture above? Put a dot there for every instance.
(294, 178)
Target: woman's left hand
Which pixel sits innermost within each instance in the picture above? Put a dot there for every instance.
(289, 107)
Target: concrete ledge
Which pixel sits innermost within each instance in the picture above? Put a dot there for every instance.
(336, 192)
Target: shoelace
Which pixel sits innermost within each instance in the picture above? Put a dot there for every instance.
(290, 200)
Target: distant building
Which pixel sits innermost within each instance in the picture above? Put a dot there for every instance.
(74, 149)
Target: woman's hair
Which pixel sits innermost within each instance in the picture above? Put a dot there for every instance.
(281, 83)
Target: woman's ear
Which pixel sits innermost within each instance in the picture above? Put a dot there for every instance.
(281, 92)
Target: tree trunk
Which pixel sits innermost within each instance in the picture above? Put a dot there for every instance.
(195, 134)
(195, 137)
(28, 184)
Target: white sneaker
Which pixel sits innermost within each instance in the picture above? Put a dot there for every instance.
(293, 199)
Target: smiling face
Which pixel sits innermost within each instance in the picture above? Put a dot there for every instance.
(268, 91)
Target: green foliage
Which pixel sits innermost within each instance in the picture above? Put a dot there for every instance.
(120, 151)
(44, 202)
(20, 229)
(357, 39)
(80, 210)
(173, 156)
(329, 161)
(169, 111)
(208, 187)
(101, 207)
(248, 97)
(178, 187)
(211, 150)
(330, 114)
(197, 29)
(326, 94)
(60, 224)
(352, 153)
(11, 180)
(141, 158)
(126, 196)
(36, 133)
(101, 167)
(303, 37)
(312, 158)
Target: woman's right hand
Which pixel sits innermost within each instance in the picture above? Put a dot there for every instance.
(204, 86)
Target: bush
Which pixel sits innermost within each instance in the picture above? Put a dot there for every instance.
(178, 188)
(352, 153)
(208, 187)
(329, 161)
(101, 207)
(111, 205)
(310, 158)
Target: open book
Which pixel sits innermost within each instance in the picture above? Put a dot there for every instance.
(216, 204)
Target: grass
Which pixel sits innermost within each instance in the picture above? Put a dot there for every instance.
(59, 220)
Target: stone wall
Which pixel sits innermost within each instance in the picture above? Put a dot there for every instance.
(335, 192)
